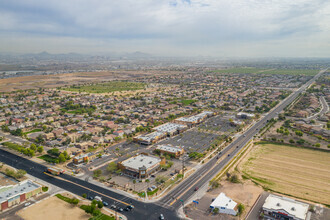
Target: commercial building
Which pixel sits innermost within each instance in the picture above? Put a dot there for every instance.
(141, 166)
(279, 207)
(225, 205)
(83, 158)
(171, 128)
(149, 138)
(244, 115)
(176, 151)
(195, 119)
(15, 194)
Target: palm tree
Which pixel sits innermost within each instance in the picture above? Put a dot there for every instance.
(134, 181)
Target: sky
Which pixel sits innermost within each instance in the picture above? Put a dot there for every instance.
(218, 28)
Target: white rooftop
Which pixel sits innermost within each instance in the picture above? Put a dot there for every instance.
(8, 192)
(195, 118)
(150, 136)
(169, 127)
(140, 161)
(169, 148)
(291, 206)
(223, 201)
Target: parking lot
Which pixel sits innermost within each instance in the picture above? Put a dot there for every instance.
(220, 124)
(192, 141)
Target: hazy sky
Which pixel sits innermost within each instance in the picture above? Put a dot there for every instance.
(168, 27)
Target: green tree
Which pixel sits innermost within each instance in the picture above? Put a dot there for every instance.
(33, 147)
(61, 158)
(40, 149)
(112, 167)
(215, 210)
(97, 173)
(100, 205)
(299, 133)
(84, 195)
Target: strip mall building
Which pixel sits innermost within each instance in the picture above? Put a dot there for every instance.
(15, 194)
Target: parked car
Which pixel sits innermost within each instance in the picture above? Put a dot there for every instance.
(161, 217)
(113, 206)
(27, 204)
(105, 203)
(90, 197)
(120, 209)
(196, 189)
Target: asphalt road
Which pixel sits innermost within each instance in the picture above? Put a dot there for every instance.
(185, 190)
(141, 211)
(172, 200)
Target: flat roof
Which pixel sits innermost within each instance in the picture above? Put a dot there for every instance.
(169, 127)
(223, 201)
(12, 191)
(195, 118)
(141, 160)
(291, 206)
(169, 148)
(151, 136)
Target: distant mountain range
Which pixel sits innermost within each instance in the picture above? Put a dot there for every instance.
(45, 55)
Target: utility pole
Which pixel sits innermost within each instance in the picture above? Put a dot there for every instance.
(183, 159)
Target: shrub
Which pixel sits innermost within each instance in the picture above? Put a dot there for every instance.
(45, 188)
(241, 209)
(68, 200)
(234, 179)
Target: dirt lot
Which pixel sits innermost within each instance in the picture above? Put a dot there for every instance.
(232, 190)
(299, 172)
(53, 81)
(53, 209)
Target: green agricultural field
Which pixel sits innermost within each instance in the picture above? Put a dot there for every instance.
(306, 72)
(239, 70)
(107, 87)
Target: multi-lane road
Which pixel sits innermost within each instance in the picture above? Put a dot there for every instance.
(185, 190)
(171, 201)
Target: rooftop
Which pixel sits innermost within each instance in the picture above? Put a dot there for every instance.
(7, 192)
(169, 127)
(291, 206)
(169, 148)
(141, 160)
(223, 201)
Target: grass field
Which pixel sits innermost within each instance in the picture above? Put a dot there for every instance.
(299, 172)
(48, 158)
(107, 87)
(32, 131)
(306, 72)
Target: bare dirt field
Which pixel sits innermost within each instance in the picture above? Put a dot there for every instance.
(52, 81)
(53, 209)
(299, 172)
(232, 190)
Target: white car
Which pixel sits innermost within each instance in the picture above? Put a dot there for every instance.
(27, 204)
